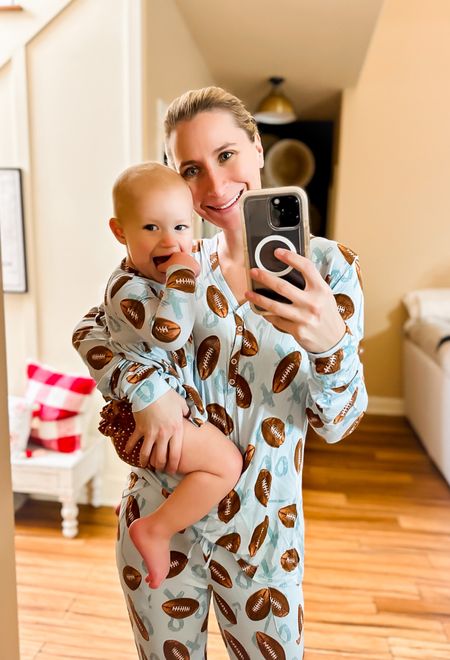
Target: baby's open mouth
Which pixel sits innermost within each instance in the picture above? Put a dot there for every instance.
(160, 260)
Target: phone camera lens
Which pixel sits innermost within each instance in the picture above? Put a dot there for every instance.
(285, 211)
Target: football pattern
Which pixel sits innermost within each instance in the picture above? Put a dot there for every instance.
(288, 515)
(178, 561)
(224, 608)
(137, 620)
(345, 305)
(248, 569)
(289, 559)
(230, 542)
(330, 364)
(179, 357)
(229, 506)
(132, 577)
(243, 392)
(195, 398)
(298, 454)
(132, 510)
(300, 623)
(349, 405)
(220, 574)
(165, 330)
(216, 300)
(314, 419)
(218, 416)
(118, 284)
(214, 260)
(262, 486)
(257, 606)
(143, 655)
(273, 431)
(174, 650)
(353, 426)
(133, 311)
(238, 650)
(269, 647)
(286, 371)
(79, 335)
(92, 313)
(264, 601)
(114, 380)
(258, 536)
(181, 280)
(180, 608)
(249, 452)
(98, 357)
(279, 604)
(139, 374)
(132, 480)
(249, 346)
(207, 356)
(349, 255)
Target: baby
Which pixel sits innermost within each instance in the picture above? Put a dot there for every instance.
(149, 305)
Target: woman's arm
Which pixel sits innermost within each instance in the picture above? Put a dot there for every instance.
(326, 319)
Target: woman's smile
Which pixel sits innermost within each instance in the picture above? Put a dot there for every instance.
(226, 205)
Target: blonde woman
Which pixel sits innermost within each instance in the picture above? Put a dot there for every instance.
(262, 381)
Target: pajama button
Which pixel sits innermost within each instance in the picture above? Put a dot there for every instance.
(233, 361)
(239, 328)
(232, 381)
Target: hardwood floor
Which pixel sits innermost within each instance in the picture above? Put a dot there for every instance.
(377, 567)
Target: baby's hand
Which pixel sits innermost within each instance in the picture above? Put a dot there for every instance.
(181, 259)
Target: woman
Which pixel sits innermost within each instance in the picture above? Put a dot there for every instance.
(262, 380)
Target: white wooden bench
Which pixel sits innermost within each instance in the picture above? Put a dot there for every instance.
(61, 475)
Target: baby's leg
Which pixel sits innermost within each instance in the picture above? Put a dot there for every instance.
(212, 465)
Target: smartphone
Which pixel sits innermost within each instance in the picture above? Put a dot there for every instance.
(274, 218)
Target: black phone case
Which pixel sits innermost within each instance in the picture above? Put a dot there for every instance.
(262, 238)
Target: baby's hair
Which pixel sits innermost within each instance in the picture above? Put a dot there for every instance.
(150, 174)
(189, 104)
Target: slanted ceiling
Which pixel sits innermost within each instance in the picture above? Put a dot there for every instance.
(319, 46)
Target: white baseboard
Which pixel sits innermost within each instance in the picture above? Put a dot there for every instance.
(383, 405)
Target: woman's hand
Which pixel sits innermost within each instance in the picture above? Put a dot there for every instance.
(313, 318)
(161, 426)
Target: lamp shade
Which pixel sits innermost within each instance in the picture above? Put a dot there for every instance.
(275, 108)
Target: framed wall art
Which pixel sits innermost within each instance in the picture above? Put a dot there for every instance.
(12, 234)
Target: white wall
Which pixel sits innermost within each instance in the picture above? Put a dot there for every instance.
(16, 27)
(85, 94)
(173, 64)
(392, 204)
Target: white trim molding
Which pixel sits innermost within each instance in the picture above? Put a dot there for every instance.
(383, 405)
(133, 73)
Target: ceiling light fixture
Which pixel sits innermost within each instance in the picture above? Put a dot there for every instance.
(275, 108)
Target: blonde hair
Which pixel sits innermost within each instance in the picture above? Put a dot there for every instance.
(150, 173)
(207, 99)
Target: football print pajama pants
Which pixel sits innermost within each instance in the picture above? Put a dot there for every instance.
(171, 622)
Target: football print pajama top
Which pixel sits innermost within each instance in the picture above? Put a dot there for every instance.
(261, 389)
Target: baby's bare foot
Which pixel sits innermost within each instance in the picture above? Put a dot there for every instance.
(154, 548)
